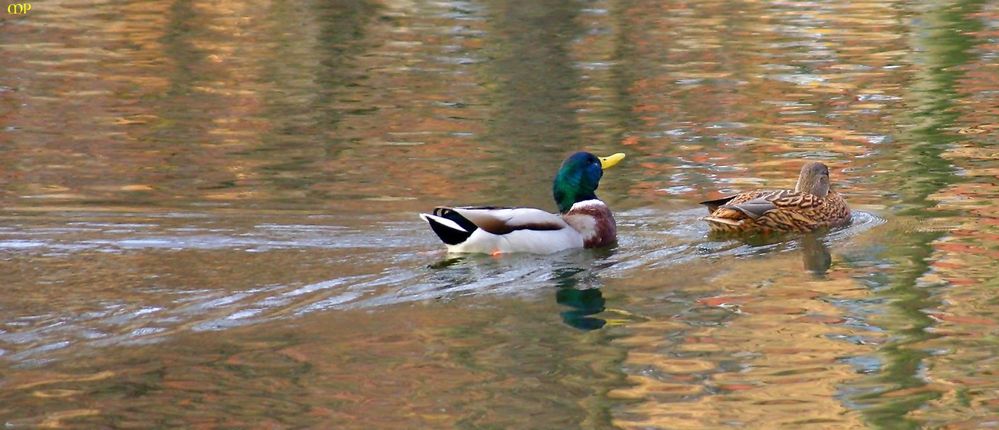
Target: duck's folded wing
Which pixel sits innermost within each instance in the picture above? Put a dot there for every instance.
(714, 205)
(754, 208)
(501, 221)
(778, 202)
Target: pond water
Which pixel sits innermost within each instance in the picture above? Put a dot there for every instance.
(209, 214)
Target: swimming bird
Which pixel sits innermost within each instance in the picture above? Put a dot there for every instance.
(812, 205)
(582, 221)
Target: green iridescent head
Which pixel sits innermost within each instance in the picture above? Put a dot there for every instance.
(578, 178)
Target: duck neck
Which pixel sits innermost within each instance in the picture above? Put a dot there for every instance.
(567, 200)
(573, 186)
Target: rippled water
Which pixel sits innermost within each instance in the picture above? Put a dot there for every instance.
(207, 214)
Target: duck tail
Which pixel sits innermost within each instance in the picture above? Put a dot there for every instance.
(718, 220)
(713, 205)
(449, 225)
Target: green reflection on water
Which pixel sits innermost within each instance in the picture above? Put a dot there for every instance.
(923, 172)
(532, 85)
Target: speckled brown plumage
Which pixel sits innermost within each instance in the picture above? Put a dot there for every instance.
(798, 210)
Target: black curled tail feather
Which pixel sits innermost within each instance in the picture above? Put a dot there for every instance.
(713, 205)
(453, 215)
(450, 235)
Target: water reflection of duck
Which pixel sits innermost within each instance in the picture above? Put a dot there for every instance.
(583, 303)
(815, 255)
(583, 219)
(812, 205)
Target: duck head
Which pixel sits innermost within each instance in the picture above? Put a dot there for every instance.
(578, 178)
(814, 179)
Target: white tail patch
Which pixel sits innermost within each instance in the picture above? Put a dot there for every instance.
(443, 221)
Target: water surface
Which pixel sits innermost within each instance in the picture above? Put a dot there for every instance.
(207, 214)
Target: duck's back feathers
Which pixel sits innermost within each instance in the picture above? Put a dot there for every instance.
(501, 230)
(507, 220)
(781, 211)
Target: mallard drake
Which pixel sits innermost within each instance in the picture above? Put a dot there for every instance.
(582, 221)
(812, 205)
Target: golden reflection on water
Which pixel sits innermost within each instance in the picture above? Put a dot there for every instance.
(773, 358)
(208, 214)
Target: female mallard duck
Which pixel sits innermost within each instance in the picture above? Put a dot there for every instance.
(583, 220)
(811, 206)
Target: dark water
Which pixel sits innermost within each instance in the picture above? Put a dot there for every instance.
(207, 214)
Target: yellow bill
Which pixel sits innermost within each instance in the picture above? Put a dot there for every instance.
(610, 160)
